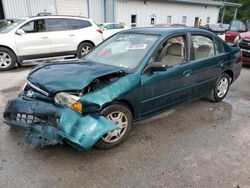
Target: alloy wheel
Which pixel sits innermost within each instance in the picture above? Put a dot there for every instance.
(85, 49)
(5, 60)
(222, 87)
(121, 120)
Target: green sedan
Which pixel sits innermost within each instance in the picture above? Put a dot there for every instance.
(135, 74)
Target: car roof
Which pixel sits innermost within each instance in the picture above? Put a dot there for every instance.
(165, 31)
(59, 16)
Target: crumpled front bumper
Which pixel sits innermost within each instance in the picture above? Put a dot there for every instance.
(49, 124)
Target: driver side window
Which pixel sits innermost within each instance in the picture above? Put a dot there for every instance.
(173, 51)
(35, 26)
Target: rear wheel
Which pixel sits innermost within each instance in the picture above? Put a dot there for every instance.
(7, 59)
(221, 88)
(83, 49)
(121, 116)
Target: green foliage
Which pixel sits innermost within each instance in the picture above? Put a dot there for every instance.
(243, 11)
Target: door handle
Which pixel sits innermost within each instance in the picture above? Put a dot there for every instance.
(44, 37)
(71, 35)
(221, 63)
(187, 73)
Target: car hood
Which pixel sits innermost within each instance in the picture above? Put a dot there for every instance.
(68, 76)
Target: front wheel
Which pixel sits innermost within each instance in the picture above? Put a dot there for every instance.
(83, 49)
(221, 88)
(121, 116)
(7, 59)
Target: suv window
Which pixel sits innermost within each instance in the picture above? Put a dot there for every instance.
(57, 24)
(34, 26)
(173, 51)
(79, 24)
(203, 47)
(118, 26)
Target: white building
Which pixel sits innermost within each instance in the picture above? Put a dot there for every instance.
(133, 13)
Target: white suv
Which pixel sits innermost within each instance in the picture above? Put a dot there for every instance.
(37, 38)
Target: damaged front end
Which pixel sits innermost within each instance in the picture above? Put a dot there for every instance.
(50, 109)
(47, 124)
(60, 103)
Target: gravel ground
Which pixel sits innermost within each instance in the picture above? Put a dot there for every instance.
(200, 144)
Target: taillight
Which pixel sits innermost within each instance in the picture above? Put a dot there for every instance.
(99, 31)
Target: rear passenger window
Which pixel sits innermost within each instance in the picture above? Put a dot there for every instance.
(79, 24)
(56, 24)
(203, 47)
(173, 51)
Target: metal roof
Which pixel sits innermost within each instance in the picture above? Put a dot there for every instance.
(229, 4)
(205, 2)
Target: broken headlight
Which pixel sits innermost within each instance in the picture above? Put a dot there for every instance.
(69, 100)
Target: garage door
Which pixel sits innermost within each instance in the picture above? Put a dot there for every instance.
(26, 8)
(72, 7)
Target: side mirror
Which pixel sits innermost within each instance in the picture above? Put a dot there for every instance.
(155, 67)
(20, 32)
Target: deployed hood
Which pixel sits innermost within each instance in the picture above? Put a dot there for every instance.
(68, 76)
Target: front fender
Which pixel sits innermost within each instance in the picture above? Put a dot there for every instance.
(84, 131)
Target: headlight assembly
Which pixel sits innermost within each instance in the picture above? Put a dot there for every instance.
(69, 100)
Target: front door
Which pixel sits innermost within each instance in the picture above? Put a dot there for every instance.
(35, 41)
(162, 90)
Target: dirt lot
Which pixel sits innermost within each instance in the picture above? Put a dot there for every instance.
(200, 144)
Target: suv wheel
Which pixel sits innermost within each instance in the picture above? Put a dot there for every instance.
(83, 49)
(221, 88)
(7, 59)
(122, 117)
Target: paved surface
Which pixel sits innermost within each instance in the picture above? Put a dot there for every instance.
(200, 144)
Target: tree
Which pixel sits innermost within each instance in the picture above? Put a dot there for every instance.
(243, 11)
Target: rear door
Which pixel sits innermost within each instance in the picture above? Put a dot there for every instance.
(35, 41)
(207, 58)
(62, 36)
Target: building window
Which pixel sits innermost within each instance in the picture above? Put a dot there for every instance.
(208, 20)
(184, 19)
(169, 19)
(133, 20)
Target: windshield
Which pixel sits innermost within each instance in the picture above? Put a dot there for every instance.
(123, 50)
(237, 26)
(6, 26)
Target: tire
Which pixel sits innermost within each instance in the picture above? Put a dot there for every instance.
(8, 59)
(219, 92)
(86, 46)
(111, 139)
